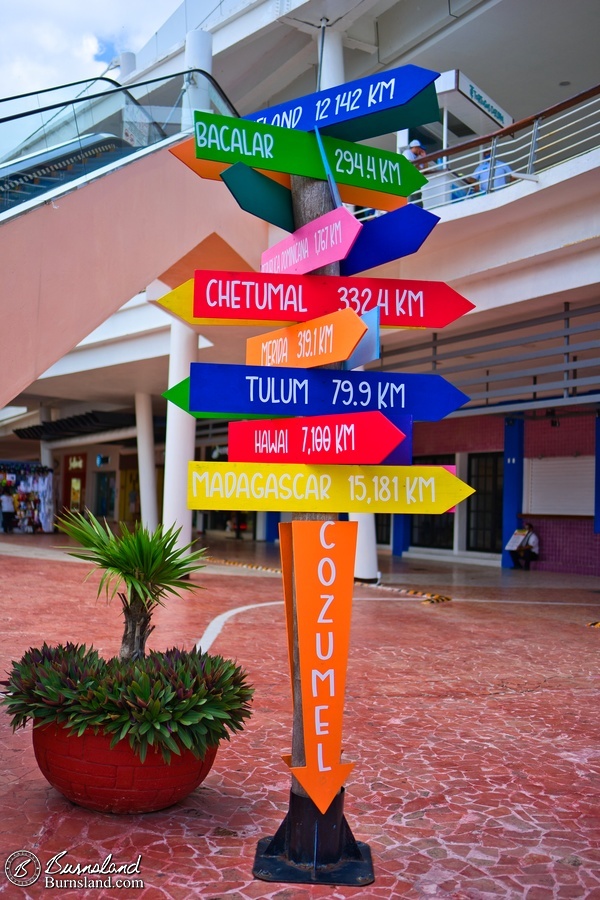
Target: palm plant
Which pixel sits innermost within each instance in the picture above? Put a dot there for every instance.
(140, 566)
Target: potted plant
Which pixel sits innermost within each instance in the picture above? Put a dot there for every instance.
(137, 732)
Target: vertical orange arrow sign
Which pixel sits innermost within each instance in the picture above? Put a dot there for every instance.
(323, 578)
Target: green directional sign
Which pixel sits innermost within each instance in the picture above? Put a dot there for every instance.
(229, 140)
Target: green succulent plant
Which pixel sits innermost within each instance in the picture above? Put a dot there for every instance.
(142, 567)
(171, 700)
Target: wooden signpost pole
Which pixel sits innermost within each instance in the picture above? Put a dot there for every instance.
(310, 199)
(312, 833)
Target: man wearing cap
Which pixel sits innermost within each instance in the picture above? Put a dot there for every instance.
(415, 151)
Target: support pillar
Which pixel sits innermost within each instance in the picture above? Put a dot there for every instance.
(181, 435)
(400, 533)
(198, 55)
(365, 565)
(45, 447)
(512, 493)
(597, 487)
(331, 58)
(146, 460)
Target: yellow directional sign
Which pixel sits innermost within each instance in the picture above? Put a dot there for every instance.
(300, 488)
(321, 341)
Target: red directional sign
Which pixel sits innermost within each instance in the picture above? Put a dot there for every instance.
(350, 438)
(228, 298)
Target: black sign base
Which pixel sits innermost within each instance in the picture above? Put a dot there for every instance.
(311, 847)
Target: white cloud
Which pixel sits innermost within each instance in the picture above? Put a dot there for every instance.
(45, 44)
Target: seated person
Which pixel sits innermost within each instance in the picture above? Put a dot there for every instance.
(501, 176)
(528, 551)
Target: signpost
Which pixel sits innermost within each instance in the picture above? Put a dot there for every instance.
(323, 489)
(264, 298)
(357, 110)
(320, 342)
(267, 147)
(323, 241)
(345, 439)
(352, 424)
(244, 391)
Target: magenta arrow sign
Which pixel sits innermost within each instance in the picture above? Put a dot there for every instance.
(323, 241)
(365, 438)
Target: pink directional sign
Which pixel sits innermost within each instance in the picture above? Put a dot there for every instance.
(323, 241)
(345, 439)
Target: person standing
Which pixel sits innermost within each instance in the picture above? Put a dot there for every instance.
(8, 511)
(528, 550)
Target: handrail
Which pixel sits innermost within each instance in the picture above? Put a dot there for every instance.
(516, 152)
(511, 130)
(60, 87)
(48, 146)
(122, 88)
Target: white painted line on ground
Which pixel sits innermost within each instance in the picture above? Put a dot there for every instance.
(214, 628)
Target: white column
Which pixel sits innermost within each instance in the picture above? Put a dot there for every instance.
(460, 516)
(331, 59)
(127, 64)
(146, 460)
(365, 564)
(198, 55)
(181, 435)
(45, 447)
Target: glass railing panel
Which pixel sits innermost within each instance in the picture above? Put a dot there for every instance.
(71, 140)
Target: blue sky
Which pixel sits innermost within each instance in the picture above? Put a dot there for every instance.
(44, 44)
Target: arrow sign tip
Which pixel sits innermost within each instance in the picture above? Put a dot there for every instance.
(321, 787)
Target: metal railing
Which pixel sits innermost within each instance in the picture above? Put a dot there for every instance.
(44, 148)
(550, 359)
(518, 152)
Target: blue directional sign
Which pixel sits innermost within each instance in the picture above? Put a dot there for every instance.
(402, 454)
(258, 391)
(389, 237)
(369, 346)
(378, 104)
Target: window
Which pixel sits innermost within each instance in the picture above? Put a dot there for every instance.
(484, 507)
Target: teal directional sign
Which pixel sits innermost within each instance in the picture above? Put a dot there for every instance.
(378, 104)
(229, 140)
(260, 391)
(260, 195)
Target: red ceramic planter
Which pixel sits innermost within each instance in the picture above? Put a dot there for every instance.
(89, 773)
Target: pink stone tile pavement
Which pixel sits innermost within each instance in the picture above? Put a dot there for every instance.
(473, 725)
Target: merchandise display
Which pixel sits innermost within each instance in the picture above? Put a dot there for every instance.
(30, 486)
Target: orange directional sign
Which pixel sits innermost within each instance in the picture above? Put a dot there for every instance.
(323, 579)
(319, 342)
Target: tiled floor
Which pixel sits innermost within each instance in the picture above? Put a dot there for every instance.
(473, 724)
